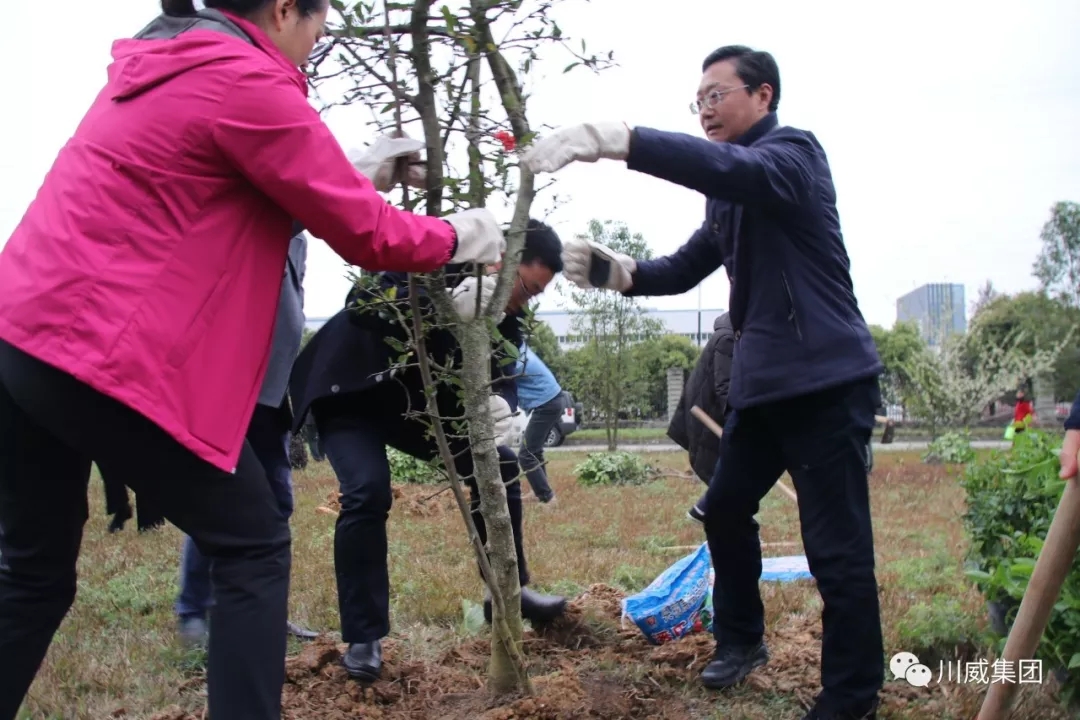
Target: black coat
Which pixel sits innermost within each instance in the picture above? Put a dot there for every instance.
(351, 352)
(707, 387)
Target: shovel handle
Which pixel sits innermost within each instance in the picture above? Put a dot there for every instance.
(719, 432)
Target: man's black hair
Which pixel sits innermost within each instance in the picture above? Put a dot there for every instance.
(542, 243)
(754, 67)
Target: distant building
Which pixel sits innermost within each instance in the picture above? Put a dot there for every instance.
(677, 322)
(694, 324)
(937, 308)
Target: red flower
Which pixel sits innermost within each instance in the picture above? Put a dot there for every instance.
(507, 140)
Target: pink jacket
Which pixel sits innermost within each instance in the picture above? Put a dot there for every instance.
(149, 264)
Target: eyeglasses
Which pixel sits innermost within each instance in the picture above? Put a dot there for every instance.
(713, 98)
(525, 289)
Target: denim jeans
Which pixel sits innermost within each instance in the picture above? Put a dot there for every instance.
(541, 421)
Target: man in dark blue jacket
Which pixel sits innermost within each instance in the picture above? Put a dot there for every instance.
(804, 383)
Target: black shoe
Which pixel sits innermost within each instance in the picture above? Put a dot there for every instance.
(119, 518)
(819, 713)
(696, 514)
(536, 608)
(363, 661)
(300, 632)
(732, 663)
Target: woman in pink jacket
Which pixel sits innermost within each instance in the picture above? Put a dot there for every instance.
(137, 306)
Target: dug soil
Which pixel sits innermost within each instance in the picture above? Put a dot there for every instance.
(587, 666)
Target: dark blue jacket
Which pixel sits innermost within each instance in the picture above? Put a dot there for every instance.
(1073, 421)
(771, 221)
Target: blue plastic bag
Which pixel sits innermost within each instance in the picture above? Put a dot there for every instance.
(674, 604)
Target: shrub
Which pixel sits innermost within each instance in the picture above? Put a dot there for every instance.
(953, 448)
(613, 468)
(407, 469)
(1011, 499)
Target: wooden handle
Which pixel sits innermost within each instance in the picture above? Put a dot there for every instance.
(707, 421)
(1053, 564)
(719, 431)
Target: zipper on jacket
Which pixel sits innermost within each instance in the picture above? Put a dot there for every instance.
(793, 318)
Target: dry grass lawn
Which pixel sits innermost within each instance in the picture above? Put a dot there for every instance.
(115, 655)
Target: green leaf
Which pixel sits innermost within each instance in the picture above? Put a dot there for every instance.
(472, 617)
(1074, 661)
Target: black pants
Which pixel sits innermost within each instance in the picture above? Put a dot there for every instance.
(51, 428)
(355, 432)
(117, 503)
(821, 440)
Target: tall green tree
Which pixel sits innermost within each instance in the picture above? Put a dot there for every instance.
(651, 361)
(1058, 264)
(609, 324)
(897, 347)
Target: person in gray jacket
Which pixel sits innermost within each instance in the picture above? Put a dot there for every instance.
(707, 387)
(269, 436)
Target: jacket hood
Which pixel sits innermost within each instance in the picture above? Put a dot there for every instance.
(722, 321)
(168, 47)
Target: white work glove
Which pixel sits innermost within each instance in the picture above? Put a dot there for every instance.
(379, 162)
(479, 237)
(502, 418)
(589, 264)
(585, 143)
(464, 295)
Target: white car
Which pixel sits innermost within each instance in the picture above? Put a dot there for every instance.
(568, 423)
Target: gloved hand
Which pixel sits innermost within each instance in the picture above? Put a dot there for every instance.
(479, 237)
(464, 295)
(589, 264)
(379, 162)
(586, 143)
(502, 417)
(1069, 449)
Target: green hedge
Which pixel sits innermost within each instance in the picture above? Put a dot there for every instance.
(1011, 499)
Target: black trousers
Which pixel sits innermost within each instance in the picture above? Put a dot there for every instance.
(51, 428)
(355, 431)
(821, 440)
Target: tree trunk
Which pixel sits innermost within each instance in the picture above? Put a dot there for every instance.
(504, 676)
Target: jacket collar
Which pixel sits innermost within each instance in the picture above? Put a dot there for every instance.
(757, 130)
(262, 41)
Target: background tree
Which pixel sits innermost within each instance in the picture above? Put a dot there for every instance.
(897, 348)
(1058, 264)
(452, 78)
(651, 360)
(1039, 321)
(951, 386)
(610, 324)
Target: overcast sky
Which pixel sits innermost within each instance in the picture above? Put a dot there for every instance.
(951, 127)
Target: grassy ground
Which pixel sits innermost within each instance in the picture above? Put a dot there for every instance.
(115, 655)
(642, 435)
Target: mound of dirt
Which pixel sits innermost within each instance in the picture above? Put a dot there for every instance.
(585, 666)
(414, 500)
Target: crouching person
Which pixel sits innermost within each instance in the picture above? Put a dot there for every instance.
(346, 378)
(707, 387)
